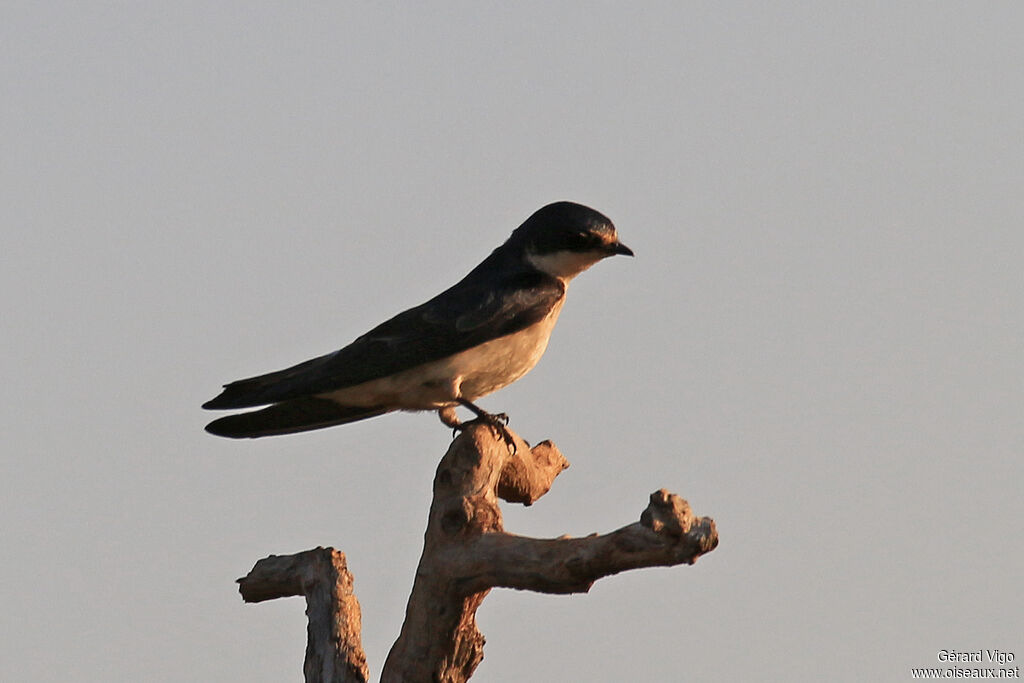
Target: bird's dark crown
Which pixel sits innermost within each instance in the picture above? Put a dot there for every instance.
(564, 226)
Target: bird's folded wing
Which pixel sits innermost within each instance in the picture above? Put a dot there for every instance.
(474, 311)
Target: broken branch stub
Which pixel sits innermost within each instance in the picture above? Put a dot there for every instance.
(334, 649)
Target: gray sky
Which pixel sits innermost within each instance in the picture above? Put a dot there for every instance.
(818, 344)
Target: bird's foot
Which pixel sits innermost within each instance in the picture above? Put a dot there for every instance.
(497, 418)
(498, 422)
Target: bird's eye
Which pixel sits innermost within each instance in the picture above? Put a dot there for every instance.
(590, 242)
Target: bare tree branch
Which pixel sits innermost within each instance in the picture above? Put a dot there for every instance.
(571, 565)
(334, 649)
(466, 551)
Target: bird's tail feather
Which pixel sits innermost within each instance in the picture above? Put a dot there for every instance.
(297, 415)
(269, 388)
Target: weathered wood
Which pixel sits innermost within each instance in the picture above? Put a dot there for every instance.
(528, 474)
(334, 649)
(466, 552)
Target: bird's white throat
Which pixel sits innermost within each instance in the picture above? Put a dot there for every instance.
(564, 265)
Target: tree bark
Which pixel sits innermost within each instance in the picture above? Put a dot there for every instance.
(466, 552)
(334, 649)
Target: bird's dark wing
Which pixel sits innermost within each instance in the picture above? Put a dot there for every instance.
(477, 309)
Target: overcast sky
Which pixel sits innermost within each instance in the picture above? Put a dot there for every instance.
(818, 343)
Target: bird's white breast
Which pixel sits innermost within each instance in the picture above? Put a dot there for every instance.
(468, 374)
(498, 363)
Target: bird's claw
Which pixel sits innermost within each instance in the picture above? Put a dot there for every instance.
(502, 430)
(498, 422)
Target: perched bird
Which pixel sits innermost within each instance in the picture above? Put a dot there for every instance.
(480, 335)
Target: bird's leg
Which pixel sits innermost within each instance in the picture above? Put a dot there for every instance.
(450, 419)
(491, 418)
(497, 421)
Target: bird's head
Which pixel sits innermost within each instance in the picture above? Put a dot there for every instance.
(564, 239)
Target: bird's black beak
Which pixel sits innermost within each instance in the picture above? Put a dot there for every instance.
(620, 248)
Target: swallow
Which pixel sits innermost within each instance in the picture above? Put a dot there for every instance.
(478, 336)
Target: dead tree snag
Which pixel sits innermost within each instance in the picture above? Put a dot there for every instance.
(466, 552)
